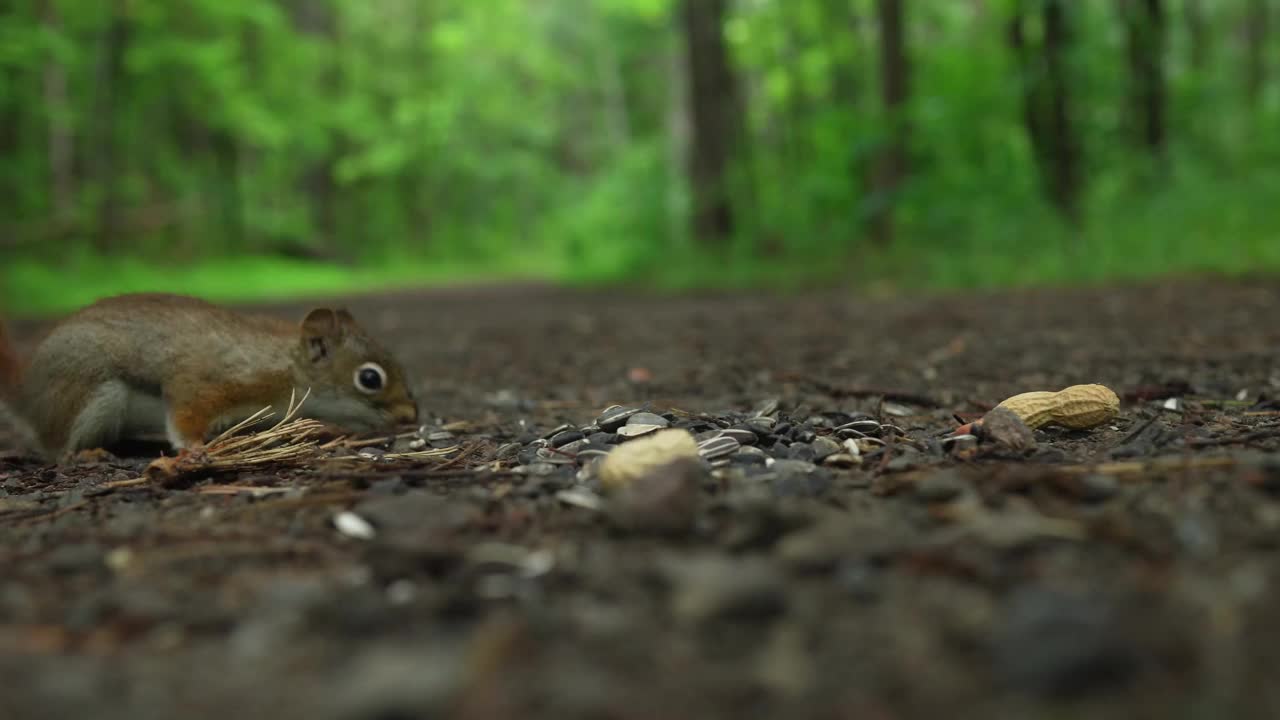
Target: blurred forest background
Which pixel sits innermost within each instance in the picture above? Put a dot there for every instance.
(237, 147)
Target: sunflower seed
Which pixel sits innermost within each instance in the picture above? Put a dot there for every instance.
(718, 447)
(580, 497)
(634, 431)
(615, 417)
(647, 418)
(742, 435)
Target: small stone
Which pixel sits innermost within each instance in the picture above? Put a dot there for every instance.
(802, 451)
(1065, 645)
(906, 461)
(743, 457)
(712, 587)
(842, 460)
(647, 418)
(664, 500)
(824, 447)
(353, 526)
(799, 479)
(1097, 487)
(939, 488)
(1004, 428)
(565, 437)
(439, 436)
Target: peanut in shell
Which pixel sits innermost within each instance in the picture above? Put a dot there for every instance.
(1078, 407)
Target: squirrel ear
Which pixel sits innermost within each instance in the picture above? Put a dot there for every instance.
(320, 328)
(345, 318)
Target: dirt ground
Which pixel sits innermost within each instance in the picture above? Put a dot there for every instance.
(1129, 571)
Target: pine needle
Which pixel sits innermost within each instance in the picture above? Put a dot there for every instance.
(292, 441)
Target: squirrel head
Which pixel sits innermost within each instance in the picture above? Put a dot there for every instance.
(354, 381)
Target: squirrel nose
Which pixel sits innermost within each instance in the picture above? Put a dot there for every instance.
(406, 413)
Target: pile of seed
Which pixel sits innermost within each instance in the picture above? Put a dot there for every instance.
(795, 454)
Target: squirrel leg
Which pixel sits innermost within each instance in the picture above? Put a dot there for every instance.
(100, 419)
(185, 427)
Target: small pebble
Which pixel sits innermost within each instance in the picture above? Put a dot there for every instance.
(824, 447)
(842, 460)
(802, 451)
(565, 437)
(939, 488)
(353, 526)
(1097, 487)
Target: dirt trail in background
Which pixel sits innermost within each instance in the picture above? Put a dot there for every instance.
(1131, 571)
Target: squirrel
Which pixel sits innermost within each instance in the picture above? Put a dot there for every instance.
(133, 365)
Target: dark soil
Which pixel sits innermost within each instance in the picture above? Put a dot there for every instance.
(1125, 572)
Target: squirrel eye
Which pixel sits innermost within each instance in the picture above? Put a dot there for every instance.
(370, 378)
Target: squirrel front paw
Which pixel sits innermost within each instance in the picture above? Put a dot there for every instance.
(90, 456)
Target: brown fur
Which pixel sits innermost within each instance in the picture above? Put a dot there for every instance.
(114, 365)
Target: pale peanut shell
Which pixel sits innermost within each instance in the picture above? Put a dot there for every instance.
(636, 458)
(1078, 407)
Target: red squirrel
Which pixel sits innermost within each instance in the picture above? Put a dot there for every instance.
(133, 365)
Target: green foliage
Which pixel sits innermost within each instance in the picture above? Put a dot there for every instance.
(406, 140)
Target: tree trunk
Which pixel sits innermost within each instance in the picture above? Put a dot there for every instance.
(60, 142)
(714, 105)
(612, 86)
(109, 86)
(1047, 106)
(1197, 34)
(1147, 40)
(891, 163)
(678, 133)
(1257, 18)
(317, 18)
